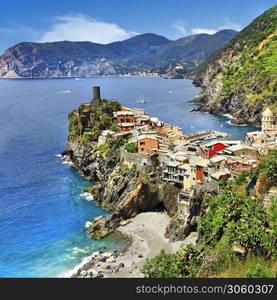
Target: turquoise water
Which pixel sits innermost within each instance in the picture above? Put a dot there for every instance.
(42, 211)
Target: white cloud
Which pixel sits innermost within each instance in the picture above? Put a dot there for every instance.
(203, 30)
(180, 28)
(80, 27)
(227, 25)
(230, 25)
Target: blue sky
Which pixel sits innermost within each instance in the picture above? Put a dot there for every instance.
(110, 20)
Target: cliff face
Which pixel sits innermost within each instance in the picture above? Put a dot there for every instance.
(40, 60)
(241, 78)
(124, 190)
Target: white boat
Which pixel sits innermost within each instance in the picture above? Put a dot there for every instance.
(68, 91)
(77, 78)
(140, 100)
(171, 92)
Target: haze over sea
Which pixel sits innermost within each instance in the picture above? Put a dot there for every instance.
(42, 210)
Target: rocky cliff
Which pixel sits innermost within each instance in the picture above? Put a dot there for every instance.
(121, 189)
(240, 79)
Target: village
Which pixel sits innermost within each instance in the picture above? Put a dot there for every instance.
(198, 159)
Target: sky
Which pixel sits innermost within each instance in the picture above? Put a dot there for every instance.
(105, 21)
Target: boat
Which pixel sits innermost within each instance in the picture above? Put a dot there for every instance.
(171, 92)
(77, 78)
(68, 91)
(140, 100)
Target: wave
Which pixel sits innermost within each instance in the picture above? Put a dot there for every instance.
(87, 196)
(65, 159)
(84, 260)
(67, 162)
(71, 272)
(230, 123)
(88, 223)
(228, 116)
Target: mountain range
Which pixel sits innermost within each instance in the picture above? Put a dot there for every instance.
(146, 52)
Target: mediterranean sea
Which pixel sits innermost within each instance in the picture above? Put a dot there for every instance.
(42, 209)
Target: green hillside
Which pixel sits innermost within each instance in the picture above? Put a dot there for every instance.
(237, 234)
(246, 67)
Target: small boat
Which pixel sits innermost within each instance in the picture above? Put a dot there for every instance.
(140, 100)
(77, 78)
(68, 91)
(171, 92)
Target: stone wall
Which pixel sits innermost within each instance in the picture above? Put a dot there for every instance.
(140, 160)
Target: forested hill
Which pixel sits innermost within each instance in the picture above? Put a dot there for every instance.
(240, 79)
(145, 52)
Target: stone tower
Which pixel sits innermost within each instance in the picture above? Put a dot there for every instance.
(96, 95)
(267, 120)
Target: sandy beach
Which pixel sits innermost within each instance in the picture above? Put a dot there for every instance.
(146, 232)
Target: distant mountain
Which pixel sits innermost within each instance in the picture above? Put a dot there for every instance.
(145, 52)
(240, 79)
(183, 55)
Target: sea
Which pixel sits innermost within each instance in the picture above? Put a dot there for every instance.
(43, 210)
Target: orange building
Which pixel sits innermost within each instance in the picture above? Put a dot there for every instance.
(147, 144)
(165, 129)
(124, 117)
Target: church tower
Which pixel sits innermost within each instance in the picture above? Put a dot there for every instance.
(267, 121)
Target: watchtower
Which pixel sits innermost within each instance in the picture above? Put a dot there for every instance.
(96, 95)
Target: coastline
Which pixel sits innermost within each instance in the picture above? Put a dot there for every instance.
(146, 235)
(87, 77)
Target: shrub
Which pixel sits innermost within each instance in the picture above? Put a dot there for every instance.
(259, 271)
(269, 167)
(163, 265)
(114, 128)
(186, 262)
(130, 147)
(239, 218)
(86, 137)
(257, 267)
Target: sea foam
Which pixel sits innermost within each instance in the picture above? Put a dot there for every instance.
(87, 196)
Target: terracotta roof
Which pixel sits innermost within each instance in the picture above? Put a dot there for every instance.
(144, 136)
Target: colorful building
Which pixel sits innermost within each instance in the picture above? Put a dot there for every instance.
(209, 150)
(125, 120)
(146, 144)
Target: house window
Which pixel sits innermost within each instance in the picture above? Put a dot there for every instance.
(142, 143)
(142, 149)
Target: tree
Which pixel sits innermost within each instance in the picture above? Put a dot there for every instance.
(131, 148)
(163, 266)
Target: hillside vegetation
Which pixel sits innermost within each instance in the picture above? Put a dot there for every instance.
(241, 78)
(237, 234)
(145, 52)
